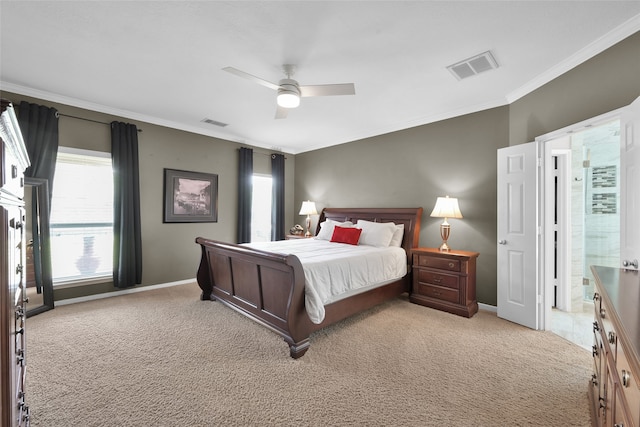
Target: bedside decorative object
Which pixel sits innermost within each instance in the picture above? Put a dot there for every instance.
(296, 230)
(446, 207)
(445, 280)
(308, 208)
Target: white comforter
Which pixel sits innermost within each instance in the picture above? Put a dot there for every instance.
(334, 271)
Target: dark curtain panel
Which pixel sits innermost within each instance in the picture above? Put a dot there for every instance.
(127, 241)
(245, 192)
(39, 127)
(277, 200)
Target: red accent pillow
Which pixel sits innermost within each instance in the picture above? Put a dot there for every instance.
(349, 235)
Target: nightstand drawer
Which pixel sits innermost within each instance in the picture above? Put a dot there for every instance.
(435, 262)
(438, 292)
(450, 281)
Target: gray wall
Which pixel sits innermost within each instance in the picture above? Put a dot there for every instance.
(606, 82)
(411, 168)
(458, 156)
(169, 250)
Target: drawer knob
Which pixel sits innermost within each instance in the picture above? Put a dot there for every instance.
(451, 265)
(612, 337)
(603, 313)
(626, 378)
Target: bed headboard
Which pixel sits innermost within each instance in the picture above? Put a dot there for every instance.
(410, 217)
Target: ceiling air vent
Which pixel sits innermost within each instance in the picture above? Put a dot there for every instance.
(474, 65)
(213, 122)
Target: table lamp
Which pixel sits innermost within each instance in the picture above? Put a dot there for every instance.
(446, 207)
(308, 208)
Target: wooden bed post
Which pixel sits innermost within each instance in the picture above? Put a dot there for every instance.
(204, 277)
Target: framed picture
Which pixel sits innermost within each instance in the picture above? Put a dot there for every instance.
(190, 196)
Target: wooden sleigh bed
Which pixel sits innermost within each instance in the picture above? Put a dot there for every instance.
(270, 287)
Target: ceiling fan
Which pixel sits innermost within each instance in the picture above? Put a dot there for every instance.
(289, 91)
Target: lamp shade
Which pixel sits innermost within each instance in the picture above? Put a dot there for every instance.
(446, 207)
(308, 208)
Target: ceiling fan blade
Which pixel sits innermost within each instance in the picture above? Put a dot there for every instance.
(281, 112)
(328, 90)
(252, 78)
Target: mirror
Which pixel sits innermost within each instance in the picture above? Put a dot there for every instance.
(38, 276)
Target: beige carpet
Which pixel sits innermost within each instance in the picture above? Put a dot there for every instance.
(164, 358)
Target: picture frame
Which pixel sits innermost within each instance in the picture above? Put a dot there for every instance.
(190, 196)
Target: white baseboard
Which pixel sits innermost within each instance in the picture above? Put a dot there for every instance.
(487, 307)
(122, 292)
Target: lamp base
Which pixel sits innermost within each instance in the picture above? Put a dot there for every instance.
(308, 224)
(445, 230)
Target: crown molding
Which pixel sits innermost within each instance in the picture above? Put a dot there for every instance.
(79, 103)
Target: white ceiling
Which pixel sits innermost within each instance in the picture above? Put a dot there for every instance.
(161, 61)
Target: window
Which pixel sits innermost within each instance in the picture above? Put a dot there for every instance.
(261, 209)
(82, 216)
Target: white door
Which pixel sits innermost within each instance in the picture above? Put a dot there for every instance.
(630, 186)
(518, 247)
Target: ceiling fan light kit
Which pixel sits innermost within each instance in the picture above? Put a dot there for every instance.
(288, 94)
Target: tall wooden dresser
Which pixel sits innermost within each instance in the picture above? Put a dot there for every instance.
(614, 389)
(13, 161)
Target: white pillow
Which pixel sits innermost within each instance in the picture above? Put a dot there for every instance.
(376, 233)
(326, 228)
(396, 240)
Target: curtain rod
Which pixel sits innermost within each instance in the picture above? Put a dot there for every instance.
(267, 154)
(88, 120)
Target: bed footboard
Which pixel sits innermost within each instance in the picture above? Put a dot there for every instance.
(267, 287)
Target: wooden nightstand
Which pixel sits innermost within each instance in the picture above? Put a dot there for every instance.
(445, 280)
(296, 236)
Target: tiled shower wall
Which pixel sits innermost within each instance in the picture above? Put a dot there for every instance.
(595, 205)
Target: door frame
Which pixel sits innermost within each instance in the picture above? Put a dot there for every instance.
(564, 227)
(548, 143)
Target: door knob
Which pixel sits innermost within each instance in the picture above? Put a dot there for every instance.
(502, 242)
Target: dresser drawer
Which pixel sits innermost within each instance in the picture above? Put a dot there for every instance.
(436, 262)
(436, 278)
(629, 385)
(12, 177)
(437, 292)
(609, 334)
